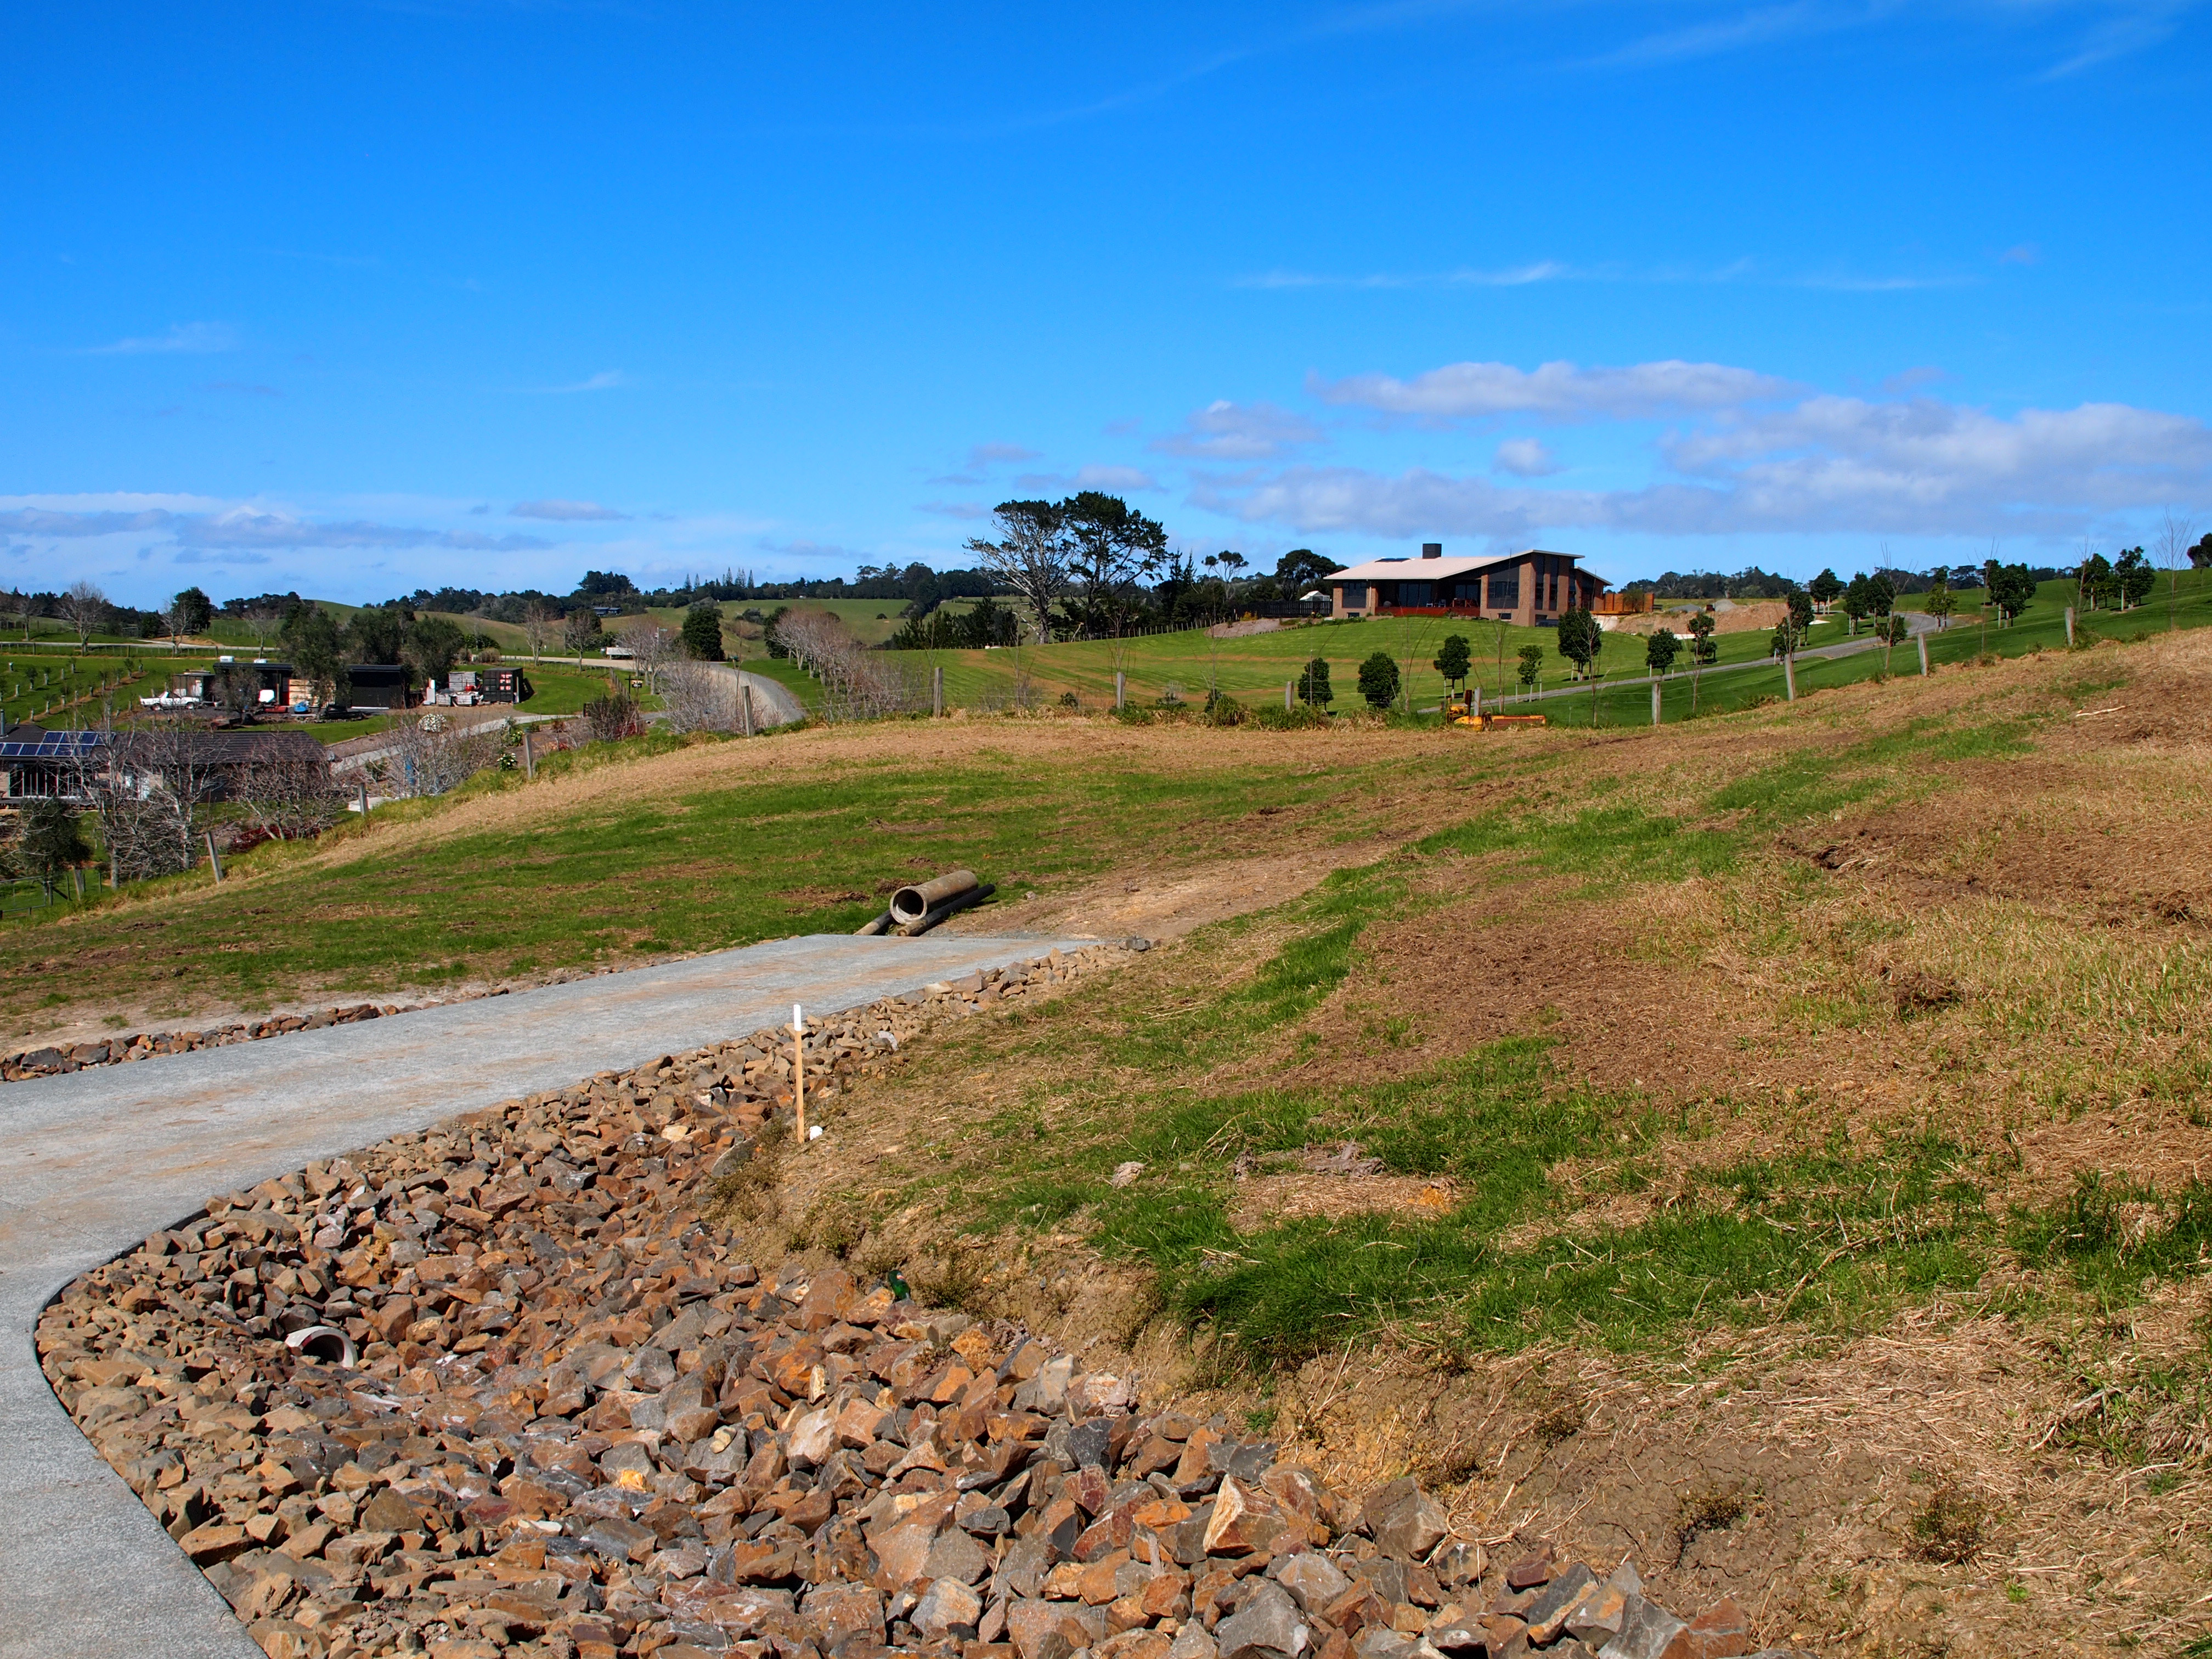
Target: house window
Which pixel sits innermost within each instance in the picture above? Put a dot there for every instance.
(1505, 588)
(1412, 593)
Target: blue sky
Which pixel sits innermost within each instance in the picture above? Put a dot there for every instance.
(353, 298)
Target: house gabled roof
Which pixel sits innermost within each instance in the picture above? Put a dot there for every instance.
(1408, 568)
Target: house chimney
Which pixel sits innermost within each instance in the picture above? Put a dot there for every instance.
(1432, 549)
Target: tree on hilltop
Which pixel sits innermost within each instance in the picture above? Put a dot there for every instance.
(702, 632)
(1031, 556)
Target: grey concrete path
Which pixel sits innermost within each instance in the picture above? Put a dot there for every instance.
(94, 1162)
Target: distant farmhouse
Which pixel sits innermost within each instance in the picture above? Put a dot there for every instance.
(1529, 588)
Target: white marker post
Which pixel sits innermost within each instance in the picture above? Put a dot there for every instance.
(799, 1069)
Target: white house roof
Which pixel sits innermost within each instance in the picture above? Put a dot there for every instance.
(1409, 569)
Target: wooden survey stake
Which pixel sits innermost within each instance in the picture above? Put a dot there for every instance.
(799, 1069)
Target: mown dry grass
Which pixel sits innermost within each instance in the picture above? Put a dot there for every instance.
(1789, 968)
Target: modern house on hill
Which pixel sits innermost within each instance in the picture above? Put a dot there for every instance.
(1529, 588)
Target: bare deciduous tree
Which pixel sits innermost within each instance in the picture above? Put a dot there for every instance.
(265, 621)
(84, 607)
(856, 684)
(289, 799)
(538, 622)
(700, 698)
(432, 753)
(1031, 556)
(151, 790)
(579, 630)
(652, 648)
(2175, 536)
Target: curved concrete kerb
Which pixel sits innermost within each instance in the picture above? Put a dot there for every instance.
(93, 1163)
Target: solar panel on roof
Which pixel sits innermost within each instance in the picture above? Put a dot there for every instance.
(55, 745)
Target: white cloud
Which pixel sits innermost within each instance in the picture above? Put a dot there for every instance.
(242, 527)
(605, 380)
(1828, 464)
(1524, 458)
(50, 521)
(181, 337)
(1318, 500)
(1239, 432)
(1113, 477)
(1540, 270)
(1563, 391)
(1108, 478)
(562, 512)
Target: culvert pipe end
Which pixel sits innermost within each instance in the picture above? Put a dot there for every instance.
(910, 904)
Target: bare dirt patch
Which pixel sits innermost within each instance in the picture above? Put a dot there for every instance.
(1268, 1201)
(1156, 904)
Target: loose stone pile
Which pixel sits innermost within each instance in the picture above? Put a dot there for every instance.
(114, 1051)
(510, 1386)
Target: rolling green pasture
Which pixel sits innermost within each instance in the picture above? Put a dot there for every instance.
(751, 859)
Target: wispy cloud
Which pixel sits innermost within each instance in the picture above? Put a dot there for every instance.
(953, 509)
(1224, 431)
(245, 528)
(1846, 283)
(1540, 270)
(560, 512)
(605, 380)
(50, 521)
(1090, 477)
(2114, 29)
(2129, 30)
(1758, 26)
(1563, 390)
(180, 337)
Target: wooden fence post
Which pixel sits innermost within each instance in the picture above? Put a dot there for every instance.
(1790, 675)
(215, 859)
(1922, 639)
(1120, 691)
(364, 801)
(937, 691)
(745, 703)
(529, 758)
(1655, 703)
(2069, 625)
(1289, 688)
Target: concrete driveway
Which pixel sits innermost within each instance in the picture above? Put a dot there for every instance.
(94, 1162)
